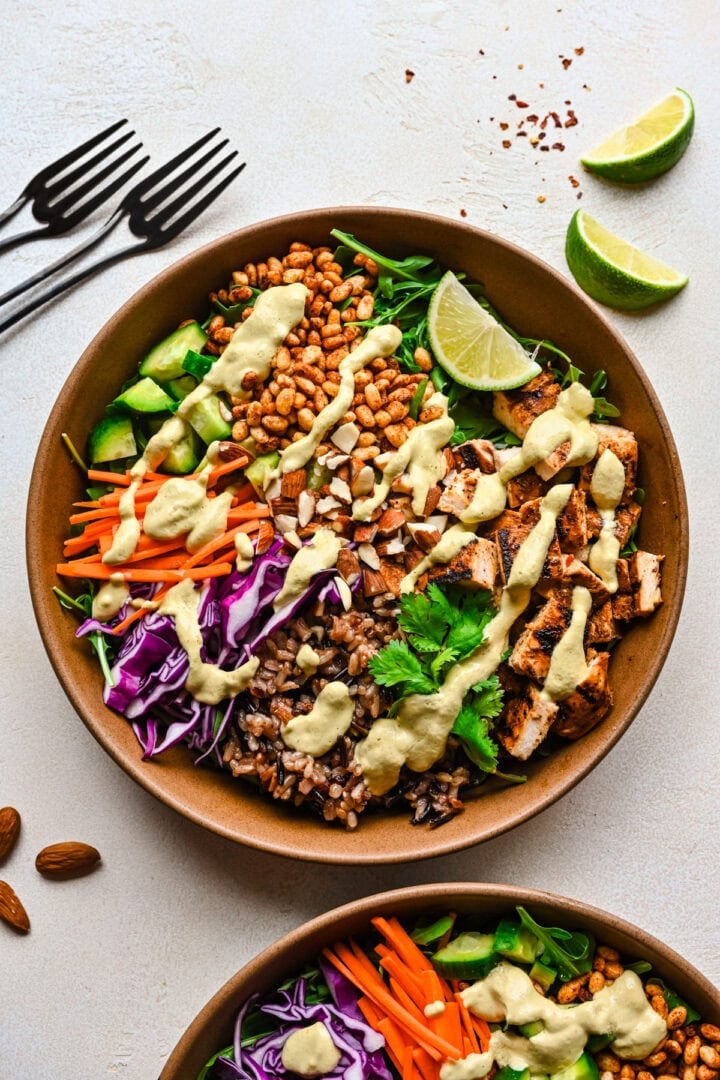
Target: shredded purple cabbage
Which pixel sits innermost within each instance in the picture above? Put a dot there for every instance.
(361, 1056)
(235, 614)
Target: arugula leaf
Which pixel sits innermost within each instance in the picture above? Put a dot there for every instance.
(419, 268)
(82, 607)
(416, 399)
(673, 1001)
(572, 958)
(396, 664)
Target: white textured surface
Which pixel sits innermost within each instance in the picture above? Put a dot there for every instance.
(315, 96)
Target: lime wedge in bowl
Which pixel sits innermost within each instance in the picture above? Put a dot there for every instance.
(614, 272)
(471, 345)
(648, 147)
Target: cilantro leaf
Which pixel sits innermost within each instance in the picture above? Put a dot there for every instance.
(473, 615)
(423, 621)
(396, 664)
(489, 697)
(473, 731)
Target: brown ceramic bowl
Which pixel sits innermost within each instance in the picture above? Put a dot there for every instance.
(535, 300)
(213, 1027)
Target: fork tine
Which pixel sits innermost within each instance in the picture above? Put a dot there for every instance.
(150, 181)
(37, 182)
(194, 211)
(76, 194)
(64, 183)
(167, 213)
(177, 181)
(106, 193)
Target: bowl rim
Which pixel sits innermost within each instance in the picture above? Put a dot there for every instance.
(425, 895)
(545, 795)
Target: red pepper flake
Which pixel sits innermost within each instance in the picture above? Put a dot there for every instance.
(481, 52)
(546, 149)
(543, 122)
(409, 75)
(574, 181)
(558, 146)
(566, 62)
(579, 51)
(542, 135)
(522, 104)
(503, 126)
(567, 102)
(572, 119)
(556, 120)
(520, 134)
(463, 213)
(512, 97)
(579, 195)
(586, 87)
(506, 143)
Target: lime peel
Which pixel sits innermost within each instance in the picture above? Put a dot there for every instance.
(471, 345)
(613, 271)
(649, 146)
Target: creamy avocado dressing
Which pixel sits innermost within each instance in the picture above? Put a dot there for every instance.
(567, 664)
(434, 1008)
(452, 541)
(110, 597)
(621, 1010)
(380, 341)
(307, 659)
(320, 553)
(206, 682)
(417, 735)
(568, 421)
(420, 456)
(606, 487)
(245, 552)
(472, 1067)
(310, 1051)
(330, 717)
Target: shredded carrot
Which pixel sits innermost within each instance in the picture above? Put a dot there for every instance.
(395, 968)
(425, 1065)
(116, 479)
(467, 1024)
(228, 467)
(376, 990)
(220, 542)
(398, 939)
(101, 572)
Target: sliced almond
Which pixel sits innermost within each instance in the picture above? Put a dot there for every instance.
(345, 437)
(69, 859)
(9, 830)
(286, 523)
(364, 482)
(12, 910)
(340, 489)
(324, 506)
(306, 508)
(369, 556)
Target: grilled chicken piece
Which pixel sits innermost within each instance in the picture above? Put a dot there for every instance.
(624, 445)
(457, 494)
(626, 518)
(575, 572)
(534, 648)
(509, 519)
(644, 571)
(525, 487)
(475, 454)
(475, 566)
(589, 702)
(601, 626)
(527, 720)
(517, 409)
(639, 592)
(572, 526)
(509, 541)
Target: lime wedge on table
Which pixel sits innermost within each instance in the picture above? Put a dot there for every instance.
(471, 345)
(650, 146)
(614, 272)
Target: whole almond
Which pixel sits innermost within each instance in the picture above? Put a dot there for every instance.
(9, 830)
(11, 909)
(70, 859)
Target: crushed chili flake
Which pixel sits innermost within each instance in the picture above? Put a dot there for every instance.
(522, 104)
(542, 135)
(506, 143)
(481, 52)
(409, 75)
(512, 97)
(463, 213)
(556, 119)
(566, 62)
(571, 119)
(558, 146)
(521, 134)
(532, 118)
(574, 181)
(545, 148)
(580, 50)
(579, 195)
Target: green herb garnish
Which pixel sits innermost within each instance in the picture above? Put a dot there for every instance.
(572, 957)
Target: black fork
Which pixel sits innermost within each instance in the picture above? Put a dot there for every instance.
(58, 197)
(148, 214)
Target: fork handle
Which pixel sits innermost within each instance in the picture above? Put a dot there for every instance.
(64, 260)
(14, 208)
(74, 279)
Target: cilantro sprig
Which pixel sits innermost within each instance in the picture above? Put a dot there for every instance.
(442, 627)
